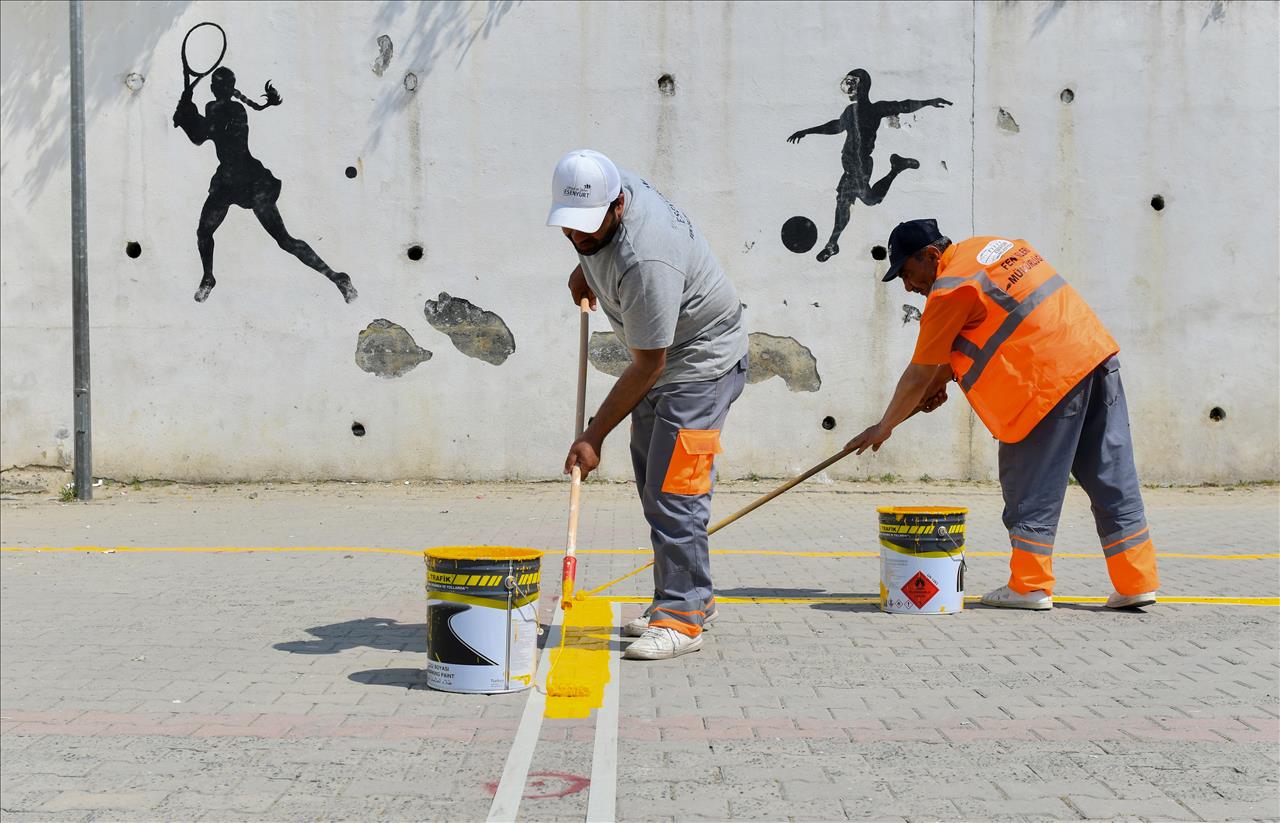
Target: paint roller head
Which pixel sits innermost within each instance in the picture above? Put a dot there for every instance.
(568, 576)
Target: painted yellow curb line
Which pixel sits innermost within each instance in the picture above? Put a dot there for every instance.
(418, 552)
(1272, 602)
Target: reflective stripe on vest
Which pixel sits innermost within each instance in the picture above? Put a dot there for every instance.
(982, 356)
(1036, 341)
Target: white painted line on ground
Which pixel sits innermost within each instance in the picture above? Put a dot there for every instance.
(506, 800)
(602, 800)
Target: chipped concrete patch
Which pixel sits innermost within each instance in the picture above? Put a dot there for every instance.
(1006, 122)
(770, 356)
(473, 331)
(607, 353)
(910, 313)
(782, 357)
(385, 50)
(388, 350)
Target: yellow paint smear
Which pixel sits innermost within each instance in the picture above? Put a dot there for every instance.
(580, 666)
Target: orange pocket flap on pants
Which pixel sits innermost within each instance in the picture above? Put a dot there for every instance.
(689, 471)
(700, 441)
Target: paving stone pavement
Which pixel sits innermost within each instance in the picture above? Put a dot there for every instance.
(274, 685)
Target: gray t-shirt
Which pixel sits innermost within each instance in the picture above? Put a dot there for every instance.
(661, 288)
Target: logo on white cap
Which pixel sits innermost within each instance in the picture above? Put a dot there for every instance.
(583, 186)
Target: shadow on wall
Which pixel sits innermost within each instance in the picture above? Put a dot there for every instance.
(435, 29)
(119, 38)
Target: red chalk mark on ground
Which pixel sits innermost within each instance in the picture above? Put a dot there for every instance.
(543, 785)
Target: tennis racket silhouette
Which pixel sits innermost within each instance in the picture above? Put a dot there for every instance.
(191, 76)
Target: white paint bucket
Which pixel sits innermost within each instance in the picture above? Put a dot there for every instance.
(482, 618)
(921, 560)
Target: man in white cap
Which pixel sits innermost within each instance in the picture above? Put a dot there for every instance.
(671, 305)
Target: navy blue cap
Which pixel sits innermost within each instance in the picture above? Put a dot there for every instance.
(907, 239)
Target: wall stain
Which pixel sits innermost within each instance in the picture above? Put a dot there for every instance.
(385, 50)
(1216, 14)
(782, 357)
(607, 353)
(473, 331)
(910, 313)
(388, 350)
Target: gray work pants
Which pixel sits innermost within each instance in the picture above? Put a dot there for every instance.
(1086, 435)
(669, 479)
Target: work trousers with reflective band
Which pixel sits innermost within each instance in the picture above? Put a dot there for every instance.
(675, 436)
(1085, 435)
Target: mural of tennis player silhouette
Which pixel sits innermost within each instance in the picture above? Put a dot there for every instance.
(241, 179)
(860, 121)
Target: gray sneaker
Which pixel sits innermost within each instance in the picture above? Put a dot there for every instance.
(1130, 601)
(1006, 598)
(660, 643)
(636, 627)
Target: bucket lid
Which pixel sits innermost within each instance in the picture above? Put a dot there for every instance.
(936, 510)
(481, 553)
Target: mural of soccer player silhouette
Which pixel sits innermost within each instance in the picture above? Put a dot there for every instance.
(241, 179)
(860, 121)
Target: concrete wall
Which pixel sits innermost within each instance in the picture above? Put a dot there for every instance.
(264, 379)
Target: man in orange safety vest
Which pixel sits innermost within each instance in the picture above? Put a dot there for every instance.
(1040, 371)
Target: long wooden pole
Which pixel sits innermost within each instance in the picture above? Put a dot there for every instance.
(790, 484)
(569, 572)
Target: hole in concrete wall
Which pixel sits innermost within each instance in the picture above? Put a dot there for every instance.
(415, 252)
(1067, 96)
(667, 85)
(1157, 202)
(879, 253)
(134, 82)
(133, 248)
(1217, 414)
(828, 422)
(357, 429)
(351, 172)
(410, 81)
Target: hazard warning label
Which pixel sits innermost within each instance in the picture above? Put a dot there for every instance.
(919, 590)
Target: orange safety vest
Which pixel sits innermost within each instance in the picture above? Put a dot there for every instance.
(1039, 338)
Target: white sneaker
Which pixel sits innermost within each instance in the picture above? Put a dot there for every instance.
(1006, 598)
(659, 643)
(636, 627)
(1130, 601)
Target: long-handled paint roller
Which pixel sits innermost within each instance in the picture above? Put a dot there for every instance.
(569, 573)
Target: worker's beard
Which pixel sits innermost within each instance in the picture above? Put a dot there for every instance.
(592, 246)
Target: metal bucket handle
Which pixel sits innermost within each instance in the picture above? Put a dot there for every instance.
(942, 531)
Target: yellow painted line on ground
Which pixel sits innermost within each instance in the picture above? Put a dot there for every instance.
(580, 666)
(212, 549)
(638, 552)
(1272, 602)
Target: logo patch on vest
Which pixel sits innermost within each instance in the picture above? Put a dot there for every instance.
(993, 251)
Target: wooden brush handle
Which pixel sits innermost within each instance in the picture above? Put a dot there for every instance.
(580, 415)
(793, 482)
(575, 494)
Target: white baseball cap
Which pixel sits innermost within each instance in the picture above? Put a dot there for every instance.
(584, 184)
